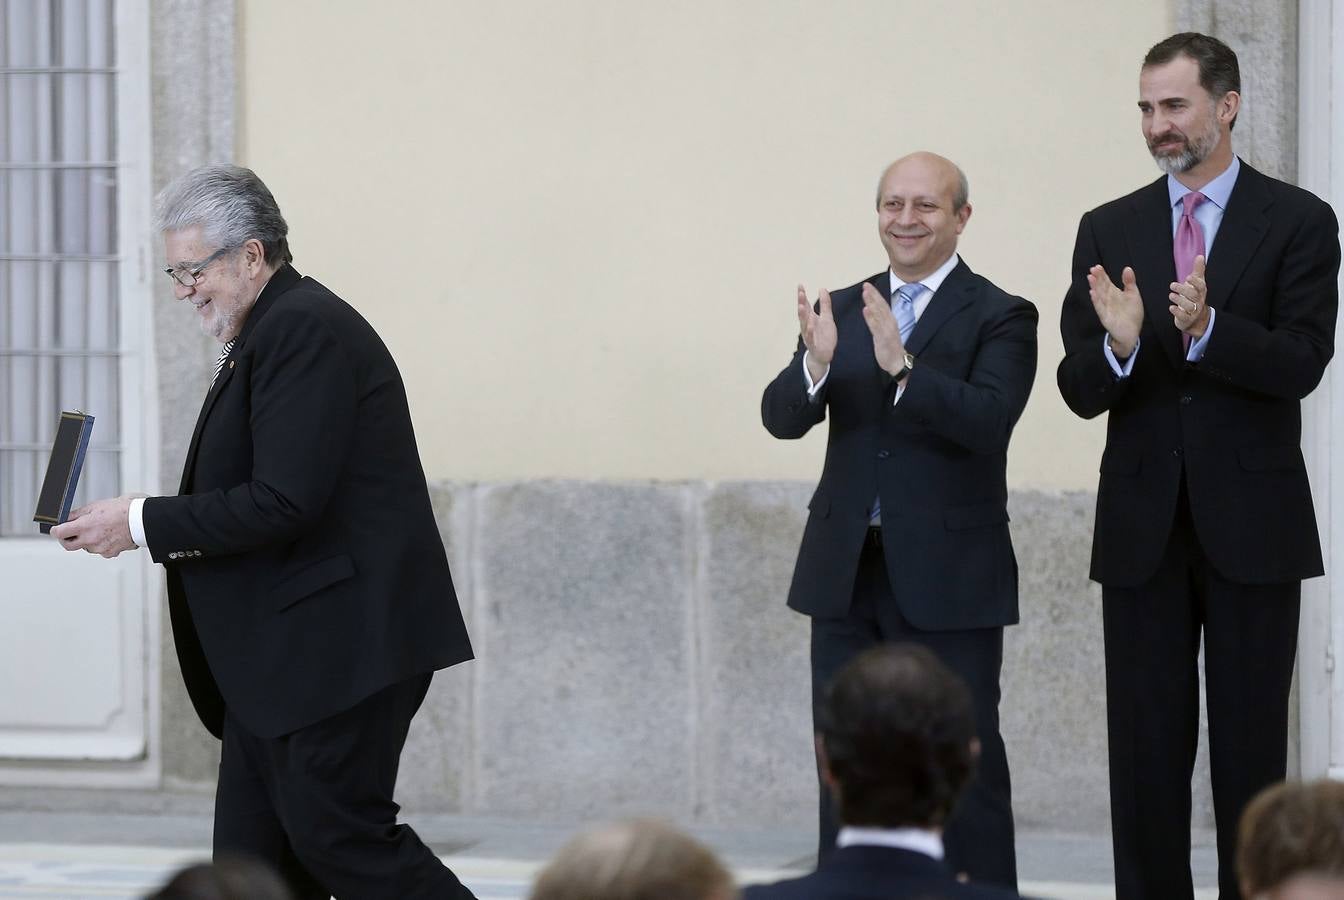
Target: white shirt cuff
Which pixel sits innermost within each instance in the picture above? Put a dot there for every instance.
(1196, 351)
(807, 377)
(137, 521)
(1119, 370)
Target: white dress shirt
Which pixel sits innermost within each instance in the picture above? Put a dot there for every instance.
(919, 840)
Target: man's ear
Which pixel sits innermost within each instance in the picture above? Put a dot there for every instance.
(824, 764)
(254, 256)
(1228, 106)
(963, 216)
(975, 749)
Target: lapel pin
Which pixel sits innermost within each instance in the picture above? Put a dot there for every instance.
(230, 364)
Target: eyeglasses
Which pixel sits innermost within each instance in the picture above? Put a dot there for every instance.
(188, 278)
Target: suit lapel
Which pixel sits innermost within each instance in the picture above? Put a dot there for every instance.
(225, 373)
(1148, 234)
(284, 278)
(1245, 222)
(953, 295)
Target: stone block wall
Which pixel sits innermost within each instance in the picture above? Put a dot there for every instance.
(634, 655)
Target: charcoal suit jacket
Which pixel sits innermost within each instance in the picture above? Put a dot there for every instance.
(305, 569)
(1231, 423)
(859, 872)
(937, 458)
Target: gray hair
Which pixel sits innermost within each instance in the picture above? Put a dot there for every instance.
(231, 206)
(963, 194)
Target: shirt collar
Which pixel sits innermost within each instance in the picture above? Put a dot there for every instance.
(933, 282)
(920, 840)
(1218, 190)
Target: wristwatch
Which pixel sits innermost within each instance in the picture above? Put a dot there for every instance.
(905, 370)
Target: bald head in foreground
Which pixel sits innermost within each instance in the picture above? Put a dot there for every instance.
(922, 370)
(638, 859)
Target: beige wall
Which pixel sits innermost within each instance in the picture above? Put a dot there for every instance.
(579, 225)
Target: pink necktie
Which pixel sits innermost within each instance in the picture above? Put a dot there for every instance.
(1189, 243)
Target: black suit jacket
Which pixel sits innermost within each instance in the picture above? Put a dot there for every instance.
(937, 458)
(1232, 422)
(305, 569)
(876, 873)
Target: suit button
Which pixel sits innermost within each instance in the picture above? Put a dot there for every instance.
(1178, 452)
(883, 454)
(173, 555)
(1185, 400)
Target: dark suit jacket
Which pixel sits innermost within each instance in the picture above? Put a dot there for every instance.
(1232, 421)
(876, 873)
(937, 458)
(305, 569)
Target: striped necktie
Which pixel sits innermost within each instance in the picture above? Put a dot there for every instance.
(904, 308)
(219, 363)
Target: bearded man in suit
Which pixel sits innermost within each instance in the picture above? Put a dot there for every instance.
(308, 587)
(924, 370)
(1202, 311)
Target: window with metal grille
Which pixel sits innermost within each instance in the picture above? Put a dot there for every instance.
(59, 244)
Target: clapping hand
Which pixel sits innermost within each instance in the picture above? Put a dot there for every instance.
(887, 344)
(818, 331)
(1119, 309)
(1189, 309)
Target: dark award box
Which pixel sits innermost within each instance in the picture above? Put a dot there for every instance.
(67, 458)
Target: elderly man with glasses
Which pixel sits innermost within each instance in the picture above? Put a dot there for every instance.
(308, 587)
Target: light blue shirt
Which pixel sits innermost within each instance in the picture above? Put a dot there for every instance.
(1209, 215)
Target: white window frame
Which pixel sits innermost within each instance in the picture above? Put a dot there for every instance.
(1321, 636)
(119, 760)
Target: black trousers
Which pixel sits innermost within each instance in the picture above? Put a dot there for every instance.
(317, 804)
(978, 839)
(1152, 637)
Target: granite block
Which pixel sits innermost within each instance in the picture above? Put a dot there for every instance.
(755, 702)
(1264, 37)
(1053, 710)
(583, 679)
(438, 759)
(190, 754)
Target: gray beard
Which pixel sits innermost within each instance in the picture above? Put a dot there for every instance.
(222, 328)
(1194, 154)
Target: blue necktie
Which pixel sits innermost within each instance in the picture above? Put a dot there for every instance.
(903, 308)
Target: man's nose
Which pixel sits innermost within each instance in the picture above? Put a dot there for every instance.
(181, 291)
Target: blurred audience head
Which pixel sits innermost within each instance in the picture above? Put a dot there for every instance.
(1291, 843)
(640, 859)
(896, 739)
(225, 879)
